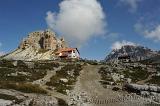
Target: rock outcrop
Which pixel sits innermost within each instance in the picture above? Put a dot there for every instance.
(16, 98)
(142, 89)
(39, 45)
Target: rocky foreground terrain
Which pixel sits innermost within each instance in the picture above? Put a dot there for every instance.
(78, 83)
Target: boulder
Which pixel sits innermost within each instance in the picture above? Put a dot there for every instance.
(145, 93)
(115, 77)
(153, 88)
(139, 88)
(64, 80)
(129, 80)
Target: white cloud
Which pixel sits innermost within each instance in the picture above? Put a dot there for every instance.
(118, 44)
(1, 52)
(132, 4)
(78, 20)
(152, 33)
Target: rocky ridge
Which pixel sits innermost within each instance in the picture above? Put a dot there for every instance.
(39, 45)
(136, 53)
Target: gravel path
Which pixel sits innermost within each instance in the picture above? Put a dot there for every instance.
(89, 88)
(89, 92)
(42, 82)
(89, 81)
(47, 77)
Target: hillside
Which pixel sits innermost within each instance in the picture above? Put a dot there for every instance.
(152, 60)
(85, 83)
(39, 45)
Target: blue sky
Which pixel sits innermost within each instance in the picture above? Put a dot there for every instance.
(127, 21)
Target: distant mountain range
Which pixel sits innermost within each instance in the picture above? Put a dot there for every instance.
(136, 53)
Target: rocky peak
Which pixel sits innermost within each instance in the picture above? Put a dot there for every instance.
(38, 45)
(135, 52)
(42, 40)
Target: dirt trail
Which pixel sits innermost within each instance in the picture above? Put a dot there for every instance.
(47, 77)
(89, 81)
(42, 82)
(56, 94)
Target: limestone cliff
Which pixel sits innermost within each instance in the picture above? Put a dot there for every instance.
(39, 45)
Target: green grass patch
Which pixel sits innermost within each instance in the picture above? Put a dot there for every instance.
(136, 74)
(6, 63)
(155, 80)
(23, 87)
(46, 65)
(62, 102)
(69, 72)
(32, 74)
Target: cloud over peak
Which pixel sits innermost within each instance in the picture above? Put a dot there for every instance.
(118, 45)
(78, 20)
(1, 52)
